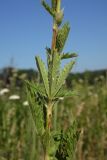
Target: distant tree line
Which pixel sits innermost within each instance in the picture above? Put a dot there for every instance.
(88, 76)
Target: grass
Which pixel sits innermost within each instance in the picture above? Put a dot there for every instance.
(17, 136)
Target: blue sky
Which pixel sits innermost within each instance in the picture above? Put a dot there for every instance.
(26, 29)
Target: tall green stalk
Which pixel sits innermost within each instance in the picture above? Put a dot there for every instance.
(43, 97)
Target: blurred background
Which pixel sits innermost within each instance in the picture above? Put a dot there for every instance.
(25, 31)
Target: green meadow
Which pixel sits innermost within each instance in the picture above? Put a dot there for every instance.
(18, 138)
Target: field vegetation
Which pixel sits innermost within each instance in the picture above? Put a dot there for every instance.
(18, 139)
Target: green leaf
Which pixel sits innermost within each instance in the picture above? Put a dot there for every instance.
(55, 72)
(46, 139)
(49, 56)
(63, 75)
(54, 4)
(36, 110)
(37, 87)
(49, 52)
(48, 8)
(72, 135)
(64, 93)
(62, 37)
(68, 141)
(44, 74)
(68, 55)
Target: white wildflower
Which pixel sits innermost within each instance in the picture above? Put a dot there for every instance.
(3, 91)
(61, 98)
(14, 97)
(25, 103)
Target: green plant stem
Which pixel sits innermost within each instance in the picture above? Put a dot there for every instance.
(58, 6)
(46, 157)
(55, 26)
(49, 116)
(49, 106)
(55, 30)
(48, 127)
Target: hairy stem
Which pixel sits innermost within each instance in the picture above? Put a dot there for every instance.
(55, 30)
(48, 127)
(55, 26)
(49, 116)
(46, 157)
(49, 106)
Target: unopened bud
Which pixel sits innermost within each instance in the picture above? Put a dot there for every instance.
(59, 17)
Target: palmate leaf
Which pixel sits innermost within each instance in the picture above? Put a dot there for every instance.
(36, 110)
(43, 73)
(54, 72)
(48, 8)
(68, 55)
(62, 37)
(62, 76)
(67, 143)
